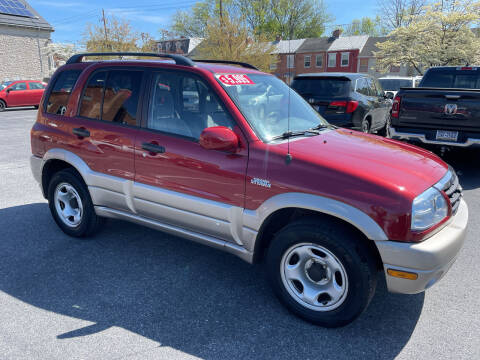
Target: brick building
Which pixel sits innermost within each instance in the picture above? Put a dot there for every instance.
(24, 36)
(288, 59)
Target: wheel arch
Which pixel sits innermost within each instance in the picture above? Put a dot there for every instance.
(276, 212)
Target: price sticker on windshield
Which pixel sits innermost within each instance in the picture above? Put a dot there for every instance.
(234, 79)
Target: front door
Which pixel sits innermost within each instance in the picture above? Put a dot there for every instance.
(176, 180)
(17, 94)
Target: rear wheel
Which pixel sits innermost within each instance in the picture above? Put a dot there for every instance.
(366, 126)
(3, 106)
(321, 272)
(71, 205)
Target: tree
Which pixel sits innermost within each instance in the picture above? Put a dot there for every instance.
(398, 13)
(440, 36)
(230, 39)
(366, 26)
(117, 35)
(288, 19)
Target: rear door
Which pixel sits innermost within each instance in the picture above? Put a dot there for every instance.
(35, 92)
(17, 94)
(380, 103)
(176, 180)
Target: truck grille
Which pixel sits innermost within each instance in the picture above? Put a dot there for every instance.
(453, 190)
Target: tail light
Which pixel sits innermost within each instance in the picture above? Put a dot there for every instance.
(350, 106)
(396, 106)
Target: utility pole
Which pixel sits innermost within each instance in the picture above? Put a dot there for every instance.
(221, 13)
(105, 28)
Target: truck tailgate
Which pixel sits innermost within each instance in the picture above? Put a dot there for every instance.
(435, 108)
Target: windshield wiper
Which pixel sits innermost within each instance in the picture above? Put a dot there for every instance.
(289, 134)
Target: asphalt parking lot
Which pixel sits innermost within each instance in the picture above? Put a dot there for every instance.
(135, 293)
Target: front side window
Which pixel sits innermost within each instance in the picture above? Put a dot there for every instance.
(270, 106)
(36, 86)
(307, 60)
(319, 61)
(60, 94)
(345, 59)
(19, 86)
(183, 105)
(332, 60)
(290, 61)
(5, 84)
(362, 86)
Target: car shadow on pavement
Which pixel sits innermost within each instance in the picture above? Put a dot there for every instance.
(466, 164)
(180, 294)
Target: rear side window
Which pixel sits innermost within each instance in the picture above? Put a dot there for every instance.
(36, 86)
(112, 96)
(58, 98)
(322, 87)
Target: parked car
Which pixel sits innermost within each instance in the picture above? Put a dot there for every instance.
(346, 99)
(391, 84)
(325, 208)
(443, 110)
(21, 93)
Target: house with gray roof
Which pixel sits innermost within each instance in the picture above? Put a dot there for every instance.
(287, 58)
(24, 36)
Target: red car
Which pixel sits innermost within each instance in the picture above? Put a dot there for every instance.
(233, 158)
(21, 93)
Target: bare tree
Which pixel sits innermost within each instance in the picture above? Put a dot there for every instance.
(398, 13)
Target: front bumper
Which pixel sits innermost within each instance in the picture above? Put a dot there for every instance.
(430, 259)
(421, 137)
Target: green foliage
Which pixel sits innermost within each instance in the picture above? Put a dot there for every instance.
(366, 26)
(288, 19)
(440, 36)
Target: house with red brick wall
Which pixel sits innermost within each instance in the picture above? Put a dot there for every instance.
(287, 59)
(342, 55)
(312, 56)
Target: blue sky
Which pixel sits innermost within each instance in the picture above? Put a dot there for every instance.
(69, 17)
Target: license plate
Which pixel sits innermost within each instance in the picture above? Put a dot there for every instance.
(447, 135)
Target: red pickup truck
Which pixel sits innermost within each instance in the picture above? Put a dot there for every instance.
(231, 157)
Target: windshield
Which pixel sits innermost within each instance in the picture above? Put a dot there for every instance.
(269, 105)
(5, 84)
(394, 84)
(322, 87)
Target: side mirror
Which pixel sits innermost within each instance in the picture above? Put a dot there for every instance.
(389, 95)
(219, 138)
(8, 90)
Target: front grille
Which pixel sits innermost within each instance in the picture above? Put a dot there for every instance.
(453, 190)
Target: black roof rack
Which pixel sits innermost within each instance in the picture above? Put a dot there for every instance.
(245, 65)
(179, 59)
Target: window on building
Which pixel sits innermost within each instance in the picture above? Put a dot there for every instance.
(290, 61)
(394, 69)
(345, 59)
(273, 66)
(363, 66)
(58, 98)
(319, 61)
(332, 60)
(307, 60)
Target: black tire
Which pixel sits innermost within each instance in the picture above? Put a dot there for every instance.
(384, 131)
(356, 259)
(3, 106)
(90, 222)
(365, 127)
(36, 106)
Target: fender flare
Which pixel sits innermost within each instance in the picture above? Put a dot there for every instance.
(253, 219)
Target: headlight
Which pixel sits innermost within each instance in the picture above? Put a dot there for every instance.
(428, 209)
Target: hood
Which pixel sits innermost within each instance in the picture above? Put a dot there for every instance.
(373, 159)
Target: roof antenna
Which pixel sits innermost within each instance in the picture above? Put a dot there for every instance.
(288, 158)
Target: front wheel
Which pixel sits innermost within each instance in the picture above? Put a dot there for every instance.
(3, 106)
(365, 126)
(321, 272)
(71, 205)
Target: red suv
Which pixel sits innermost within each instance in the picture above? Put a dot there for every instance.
(231, 157)
(21, 93)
